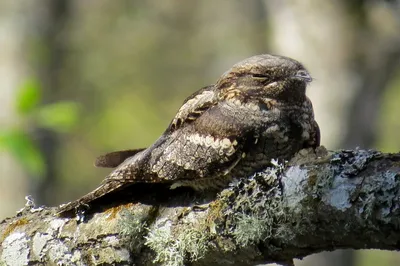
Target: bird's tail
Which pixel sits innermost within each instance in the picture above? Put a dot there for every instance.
(113, 159)
(84, 202)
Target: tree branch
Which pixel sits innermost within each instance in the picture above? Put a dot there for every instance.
(318, 201)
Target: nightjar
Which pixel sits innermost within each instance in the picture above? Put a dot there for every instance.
(256, 111)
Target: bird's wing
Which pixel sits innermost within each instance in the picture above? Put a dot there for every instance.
(209, 146)
(187, 154)
(315, 134)
(193, 107)
(113, 159)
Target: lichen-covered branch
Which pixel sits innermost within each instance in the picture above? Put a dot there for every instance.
(318, 201)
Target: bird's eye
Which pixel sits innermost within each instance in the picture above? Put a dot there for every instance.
(259, 76)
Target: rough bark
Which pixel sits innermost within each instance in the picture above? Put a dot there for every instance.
(316, 202)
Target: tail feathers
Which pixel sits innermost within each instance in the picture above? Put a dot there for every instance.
(105, 188)
(113, 159)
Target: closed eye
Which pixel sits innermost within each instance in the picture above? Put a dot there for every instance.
(259, 76)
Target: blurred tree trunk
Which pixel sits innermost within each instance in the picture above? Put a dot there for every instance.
(50, 22)
(13, 184)
(354, 74)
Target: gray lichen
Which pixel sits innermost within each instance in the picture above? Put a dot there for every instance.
(132, 223)
(294, 191)
(15, 249)
(251, 229)
(39, 245)
(256, 208)
(173, 248)
(165, 246)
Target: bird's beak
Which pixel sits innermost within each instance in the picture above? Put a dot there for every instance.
(303, 75)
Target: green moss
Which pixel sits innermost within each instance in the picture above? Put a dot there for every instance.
(312, 179)
(215, 213)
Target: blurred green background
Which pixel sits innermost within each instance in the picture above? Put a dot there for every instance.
(80, 78)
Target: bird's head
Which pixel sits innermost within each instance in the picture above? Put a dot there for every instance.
(269, 76)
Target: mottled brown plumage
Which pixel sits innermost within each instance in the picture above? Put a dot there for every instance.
(256, 111)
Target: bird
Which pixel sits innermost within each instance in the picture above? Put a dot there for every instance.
(255, 112)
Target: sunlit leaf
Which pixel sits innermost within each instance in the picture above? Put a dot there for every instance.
(28, 96)
(24, 150)
(60, 117)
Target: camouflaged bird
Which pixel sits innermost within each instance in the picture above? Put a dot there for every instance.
(257, 111)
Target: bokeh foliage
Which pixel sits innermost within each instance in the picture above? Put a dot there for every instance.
(60, 117)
